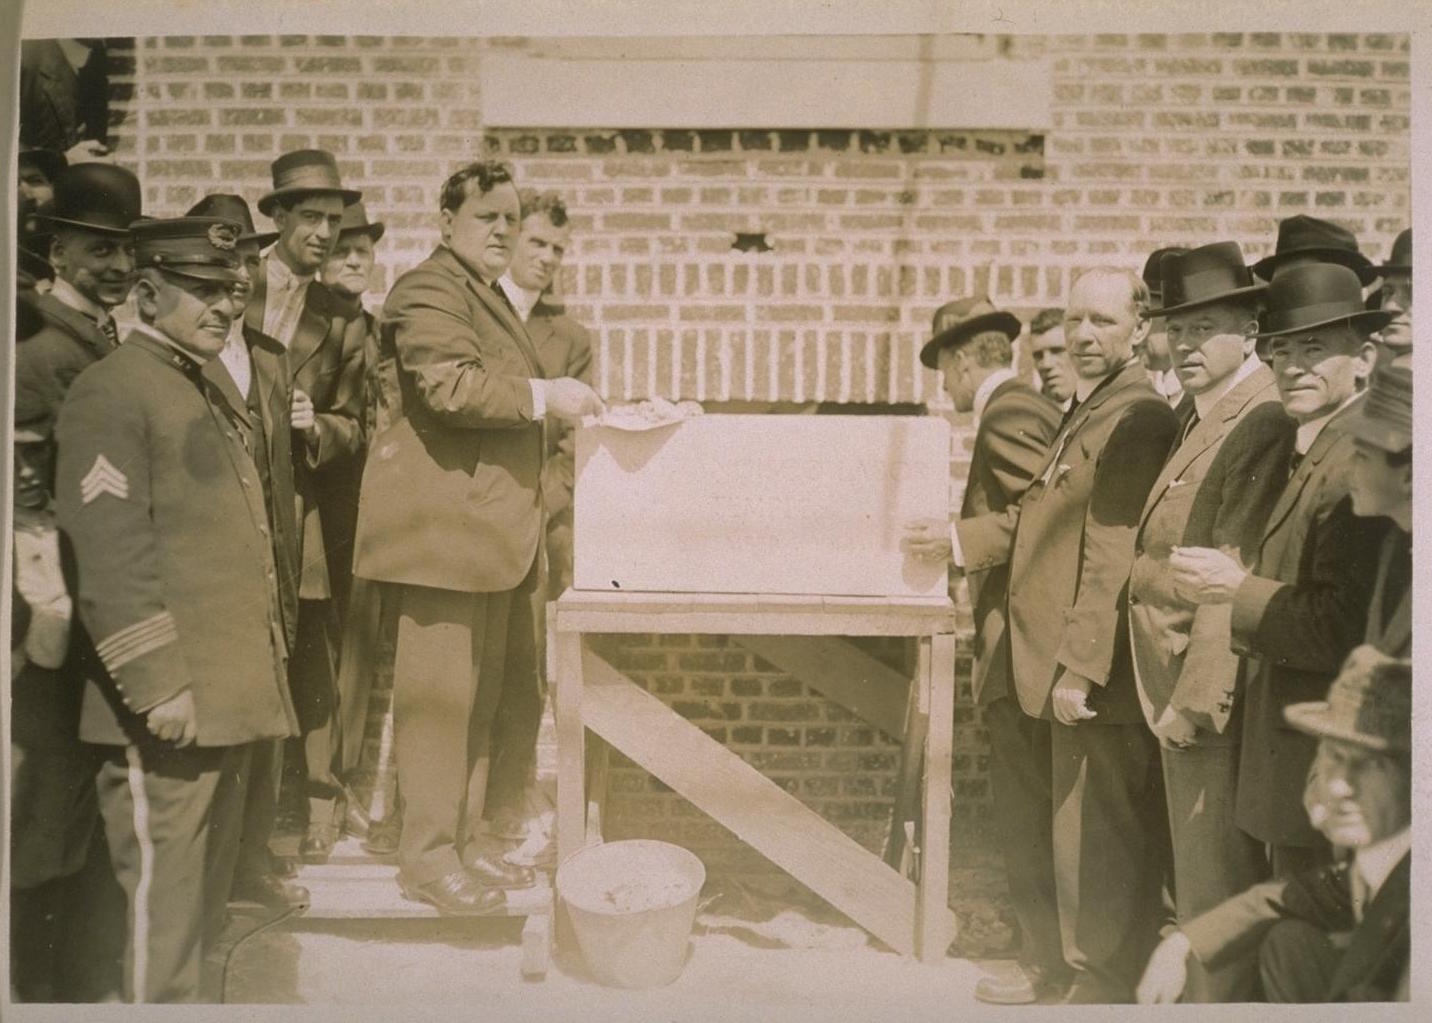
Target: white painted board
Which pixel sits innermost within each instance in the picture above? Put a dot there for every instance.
(761, 504)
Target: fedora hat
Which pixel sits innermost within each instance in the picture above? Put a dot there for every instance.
(1305, 298)
(204, 248)
(100, 197)
(1201, 276)
(957, 322)
(1384, 418)
(302, 172)
(1401, 257)
(1153, 271)
(1369, 704)
(355, 220)
(1310, 237)
(48, 161)
(232, 207)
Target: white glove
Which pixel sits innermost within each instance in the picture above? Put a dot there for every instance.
(39, 580)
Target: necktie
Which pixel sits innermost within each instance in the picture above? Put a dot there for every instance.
(1294, 460)
(108, 329)
(1193, 422)
(501, 294)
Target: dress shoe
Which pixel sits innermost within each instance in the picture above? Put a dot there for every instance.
(456, 894)
(492, 870)
(383, 836)
(270, 891)
(282, 866)
(318, 842)
(355, 816)
(1025, 985)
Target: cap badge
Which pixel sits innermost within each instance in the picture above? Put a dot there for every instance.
(222, 237)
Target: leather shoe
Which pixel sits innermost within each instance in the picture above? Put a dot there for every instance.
(282, 866)
(318, 842)
(269, 891)
(383, 836)
(456, 894)
(355, 816)
(1025, 985)
(492, 870)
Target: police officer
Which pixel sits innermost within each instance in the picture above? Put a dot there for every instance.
(178, 590)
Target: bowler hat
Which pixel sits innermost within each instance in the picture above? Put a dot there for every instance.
(1305, 298)
(100, 197)
(1153, 271)
(198, 247)
(49, 161)
(1320, 239)
(302, 172)
(957, 322)
(1384, 419)
(1201, 276)
(1369, 703)
(355, 220)
(1401, 257)
(232, 207)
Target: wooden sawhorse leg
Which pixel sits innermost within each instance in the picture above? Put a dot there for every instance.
(565, 653)
(937, 663)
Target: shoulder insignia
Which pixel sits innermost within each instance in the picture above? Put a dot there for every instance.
(104, 478)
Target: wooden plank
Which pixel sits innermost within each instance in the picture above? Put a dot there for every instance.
(597, 763)
(695, 507)
(936, 924)
(912, 757)
(842, 672)
(353, 892)
(565, 652)
(760, 813)
(767, 623)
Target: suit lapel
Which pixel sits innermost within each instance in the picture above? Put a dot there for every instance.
(254, 311)
(76, 324)
(1397, 633)
(1383, 926)
(494, 305)
(1130, 374)
(1288, 500)
(312, 328)
(223, 382)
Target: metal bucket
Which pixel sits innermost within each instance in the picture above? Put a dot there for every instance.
(632, 905)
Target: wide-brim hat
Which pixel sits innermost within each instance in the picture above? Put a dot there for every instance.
(50, 162)
(1310, 237)
(1384, 417)
(1153, 271)
(305, 172)
(1304, 298)
(1400, 258)
(100, 197)
(1203, 276)
(355, 221)
(204, 248)
(1369, 704)
(232, 207)
(958, 322)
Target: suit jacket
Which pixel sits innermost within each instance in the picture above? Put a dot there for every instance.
(1389, 615)
(177, 584)
(1216, 490)
(1070, 543)
(451, 491)
(1294, 621)
(325, 361)
(564, 349)
(264, 415)
(1374, 960)
(1010, 447)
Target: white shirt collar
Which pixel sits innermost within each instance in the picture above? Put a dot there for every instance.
(988, 387)
(235, 357)
(70, 296)
(1375, 862)
(1209, 399)
(1167, 384)
(279, 275)
(1308, 432)
(522, 299)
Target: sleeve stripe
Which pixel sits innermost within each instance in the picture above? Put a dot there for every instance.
(137, 639)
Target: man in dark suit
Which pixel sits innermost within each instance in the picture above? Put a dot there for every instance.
(971, 347)
(251, 374)
(1297, 929)
(1216, 491)
(1303, 606)
(160, 498)
(54, 816)
(324, 339)
(451, 516)
(1156, 353)
(1395, 295)
(1069, 544)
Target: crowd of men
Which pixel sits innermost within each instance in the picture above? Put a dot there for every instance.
(212, 435)
(1188, 552)
(1190, 564)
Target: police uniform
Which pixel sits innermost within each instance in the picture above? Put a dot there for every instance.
(178, 590)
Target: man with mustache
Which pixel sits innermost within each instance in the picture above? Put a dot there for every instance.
(157, 490)
(1215, 490)
(1303, 606)
(53, 813)
(324, 338)
(450, 517)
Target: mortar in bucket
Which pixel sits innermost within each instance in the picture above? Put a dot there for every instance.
(632, 905)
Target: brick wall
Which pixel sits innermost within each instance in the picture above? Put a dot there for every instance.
(1154, 140)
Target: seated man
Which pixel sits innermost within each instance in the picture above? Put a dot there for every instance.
(1298, 927)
